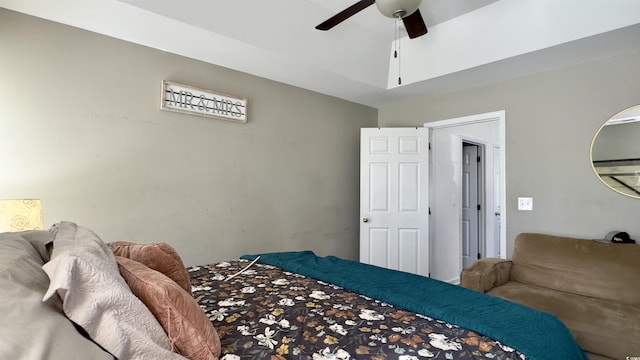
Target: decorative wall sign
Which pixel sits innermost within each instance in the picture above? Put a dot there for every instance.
(191, 100)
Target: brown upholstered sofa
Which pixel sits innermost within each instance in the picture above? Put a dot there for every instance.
(592, 286)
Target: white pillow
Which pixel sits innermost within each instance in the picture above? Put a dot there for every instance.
(84, 272)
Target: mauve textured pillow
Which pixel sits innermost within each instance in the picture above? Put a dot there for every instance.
(84, 272)
(158, 256)
(188, 327)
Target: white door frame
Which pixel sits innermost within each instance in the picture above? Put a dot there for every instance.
(500, 117)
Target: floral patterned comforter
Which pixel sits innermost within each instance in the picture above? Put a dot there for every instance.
(268, 313)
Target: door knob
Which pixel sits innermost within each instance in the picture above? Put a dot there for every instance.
(365, 220)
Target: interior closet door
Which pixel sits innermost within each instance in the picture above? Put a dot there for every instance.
(394, 175)
(471, 235)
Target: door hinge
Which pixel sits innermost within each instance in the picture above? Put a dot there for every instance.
(478, 256)
(429, 210)
(478, 158)
(429, 146)
(479, 207)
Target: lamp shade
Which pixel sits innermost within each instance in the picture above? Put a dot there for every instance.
(395, 8)
(20, 215)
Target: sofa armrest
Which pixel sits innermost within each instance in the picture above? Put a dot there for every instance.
(486, 274)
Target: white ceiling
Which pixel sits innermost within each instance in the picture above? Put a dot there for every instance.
(470, 42)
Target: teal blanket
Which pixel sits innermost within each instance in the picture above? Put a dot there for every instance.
(536, 334)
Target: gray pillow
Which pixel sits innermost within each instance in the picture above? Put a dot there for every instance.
(30, 328)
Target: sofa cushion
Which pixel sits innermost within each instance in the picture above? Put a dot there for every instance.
(31, 328)
(485, 274)
(589, 319)
(585, 267)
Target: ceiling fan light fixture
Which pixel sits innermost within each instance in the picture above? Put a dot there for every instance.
(397, 8)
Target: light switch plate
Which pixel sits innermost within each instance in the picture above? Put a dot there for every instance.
(525, 203)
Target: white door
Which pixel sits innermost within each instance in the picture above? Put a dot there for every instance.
(394, 174)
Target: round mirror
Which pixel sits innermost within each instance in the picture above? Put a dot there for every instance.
(615, 152)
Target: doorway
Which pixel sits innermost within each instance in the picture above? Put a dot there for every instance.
(472, 202)
(487, 131)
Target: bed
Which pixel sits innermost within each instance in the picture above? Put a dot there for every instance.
(138, 301)
(290, 306)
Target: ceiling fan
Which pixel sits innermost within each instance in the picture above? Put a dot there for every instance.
(407, 10)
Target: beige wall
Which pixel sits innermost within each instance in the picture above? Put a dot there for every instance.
(80, 128)
(550, 121)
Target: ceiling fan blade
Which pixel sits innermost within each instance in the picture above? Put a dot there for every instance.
(345, 14)
(415, 25)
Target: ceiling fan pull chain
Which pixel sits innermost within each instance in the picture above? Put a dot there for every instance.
(399, 69)
(397, 52)
(395, 33)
